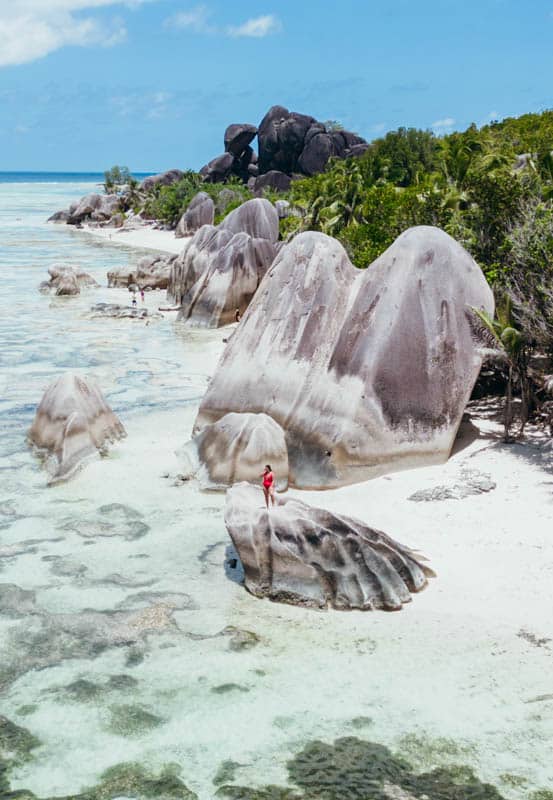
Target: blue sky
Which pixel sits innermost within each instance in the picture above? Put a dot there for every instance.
(152, 84)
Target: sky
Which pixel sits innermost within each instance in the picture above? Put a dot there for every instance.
(152, 84)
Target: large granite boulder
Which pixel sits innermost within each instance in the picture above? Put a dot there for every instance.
(319, 147)
(258, 218)
(281, 137)
(278, 181)
(66, 280)
(218, 169)
(236, 448)
(238, 137)
(200, 211)
(307, 556)
(73, 423)
(217, 273)
(161, 179)
(84, 208)
(367, 371)
(151, 272)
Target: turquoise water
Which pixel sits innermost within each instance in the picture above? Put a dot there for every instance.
(95, 178)
(123, 640)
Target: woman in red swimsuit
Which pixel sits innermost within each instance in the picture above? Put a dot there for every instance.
(268, 485)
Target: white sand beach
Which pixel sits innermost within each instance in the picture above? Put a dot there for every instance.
(145, 238)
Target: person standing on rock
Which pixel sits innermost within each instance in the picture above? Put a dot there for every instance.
(142, 295)
(268, 485)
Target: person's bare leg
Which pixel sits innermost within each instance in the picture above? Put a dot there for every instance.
(266, 493)
(272, 495)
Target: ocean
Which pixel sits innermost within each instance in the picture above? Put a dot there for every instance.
(124, 643)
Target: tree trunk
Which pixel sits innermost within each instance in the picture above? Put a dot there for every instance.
(508, 405)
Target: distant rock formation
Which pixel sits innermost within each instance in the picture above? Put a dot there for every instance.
(307, 556)
(161, 179)
(66, 280)
(366, 371)
(73, 422)
(152, 272)
(221, 267)
(200, 211)
(290, 144)
(236, 448)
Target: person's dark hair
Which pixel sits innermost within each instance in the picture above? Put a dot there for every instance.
(268, 466)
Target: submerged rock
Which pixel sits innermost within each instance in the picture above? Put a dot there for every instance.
(298, 554)
(232, 450)
(201, 211)
(365, 370)
(66, 280)
(73, 423)
(116, 311)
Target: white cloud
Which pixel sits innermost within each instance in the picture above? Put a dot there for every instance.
(443, 124)
(257, 27)
(196, 20)
(30, 29)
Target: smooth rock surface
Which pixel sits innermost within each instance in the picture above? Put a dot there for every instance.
(201, 211)
(73, 423)
(308, 556)
(258, 218)
(366, 371)
(236, 448)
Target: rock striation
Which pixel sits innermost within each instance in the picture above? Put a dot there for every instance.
(367, 371)
(234, 449)
(308, 556)
(66, 280)
(73, 423)
(201, 211)
(221, 266)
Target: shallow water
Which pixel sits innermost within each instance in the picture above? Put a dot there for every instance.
(129, 642)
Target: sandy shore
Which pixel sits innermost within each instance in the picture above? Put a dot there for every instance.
(145, 238)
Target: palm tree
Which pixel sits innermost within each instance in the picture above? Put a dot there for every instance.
(508, 343)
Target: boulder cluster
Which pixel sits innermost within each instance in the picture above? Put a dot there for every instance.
(91, 208)
(220, 267)
(366, 371)
(152, 272)
(289, 145)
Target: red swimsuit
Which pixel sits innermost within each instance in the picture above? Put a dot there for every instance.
(267, 479)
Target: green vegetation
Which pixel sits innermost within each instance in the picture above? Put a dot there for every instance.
(168, 203)
(117, 177)
(490, 188)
